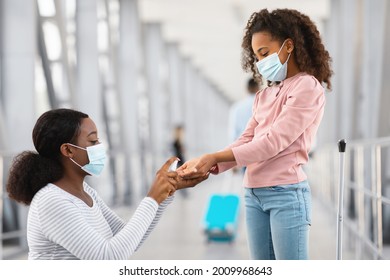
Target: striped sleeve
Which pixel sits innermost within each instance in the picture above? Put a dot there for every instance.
(63, 223)
(116, 223)
(113, 220)
(156, 219)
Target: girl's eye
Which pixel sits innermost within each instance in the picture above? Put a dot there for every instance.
(94, 142)
(264, 54)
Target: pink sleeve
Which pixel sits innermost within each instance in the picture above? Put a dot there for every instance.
(303, 105)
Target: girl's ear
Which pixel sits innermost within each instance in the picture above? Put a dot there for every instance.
(290, 45)
(66, 150)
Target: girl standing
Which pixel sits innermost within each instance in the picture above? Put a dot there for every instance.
(283, 47)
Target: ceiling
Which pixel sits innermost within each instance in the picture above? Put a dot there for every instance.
(209, 32)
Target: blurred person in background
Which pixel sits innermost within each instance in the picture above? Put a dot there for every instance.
(179, 149)
(284, 47)
(67, 219)
(240, 113)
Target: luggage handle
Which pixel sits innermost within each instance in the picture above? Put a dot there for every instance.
(342, 146)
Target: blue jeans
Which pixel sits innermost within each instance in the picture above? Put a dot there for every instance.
(278, 220)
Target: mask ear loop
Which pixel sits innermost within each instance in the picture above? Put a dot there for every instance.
(288, 58)
(72, 158)
(75, 162)
(282, 46)
(281, 49)
(77, 146)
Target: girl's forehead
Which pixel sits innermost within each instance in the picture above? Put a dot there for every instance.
(263, 40)
(263, 35)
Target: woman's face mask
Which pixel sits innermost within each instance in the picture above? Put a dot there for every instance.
(271, 68)
(97, 159)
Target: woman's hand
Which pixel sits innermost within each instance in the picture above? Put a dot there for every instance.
(164, 184)
(182, 183)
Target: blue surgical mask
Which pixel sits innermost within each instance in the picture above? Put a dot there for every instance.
(271, 68)
(97, 159)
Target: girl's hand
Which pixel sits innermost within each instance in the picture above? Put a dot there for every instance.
(198, 167)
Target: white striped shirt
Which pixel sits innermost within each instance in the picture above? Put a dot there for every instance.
(61, 226)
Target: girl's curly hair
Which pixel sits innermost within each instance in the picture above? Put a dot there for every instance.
(309, 51)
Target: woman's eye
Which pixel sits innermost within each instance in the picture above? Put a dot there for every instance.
(94, 142)
(264, 54)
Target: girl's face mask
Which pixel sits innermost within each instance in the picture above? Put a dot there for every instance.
(271, 68)
(97, 159)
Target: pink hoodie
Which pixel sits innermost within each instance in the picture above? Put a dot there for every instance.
(278, 137)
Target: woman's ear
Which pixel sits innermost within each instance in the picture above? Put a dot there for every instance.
(66, 150)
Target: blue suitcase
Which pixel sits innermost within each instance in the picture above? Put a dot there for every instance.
(221, 217)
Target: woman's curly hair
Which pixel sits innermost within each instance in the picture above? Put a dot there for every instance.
(309, 51)
(31, 171)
